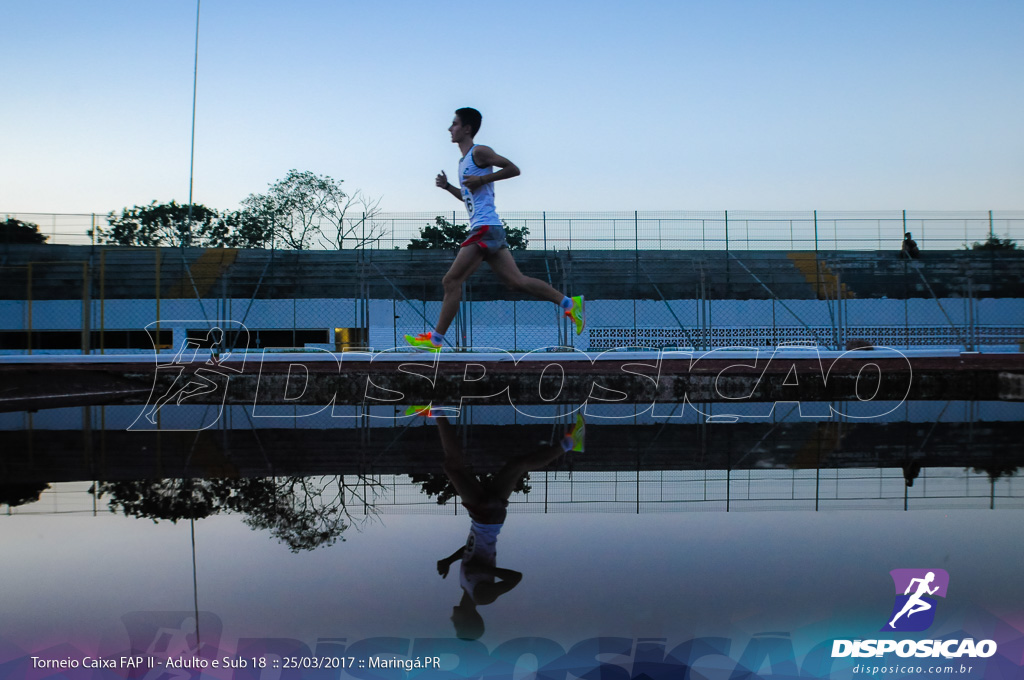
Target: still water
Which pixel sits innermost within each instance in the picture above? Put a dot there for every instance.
(770, 539)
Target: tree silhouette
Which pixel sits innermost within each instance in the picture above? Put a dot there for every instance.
(303, 512)
(164, 224)
(13, 495)
(995, 243)
(436, 484)
(16, 231)
(445, 235)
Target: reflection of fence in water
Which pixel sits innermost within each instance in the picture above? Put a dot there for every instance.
(655, 491)
(658, 491)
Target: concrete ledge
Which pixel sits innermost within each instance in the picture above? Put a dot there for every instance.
(858, 376)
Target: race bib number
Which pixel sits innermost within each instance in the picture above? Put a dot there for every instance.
(467, 198)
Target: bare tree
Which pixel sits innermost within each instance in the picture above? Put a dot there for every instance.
(358, 224)
(308, 210)
(308, 512)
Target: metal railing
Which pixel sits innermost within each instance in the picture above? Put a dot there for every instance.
(809, 230)
(658, 491)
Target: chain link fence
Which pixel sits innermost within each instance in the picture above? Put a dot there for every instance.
(663, 280)
(127, 300)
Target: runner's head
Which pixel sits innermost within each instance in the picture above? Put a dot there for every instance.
(469, 625)
(471, 118)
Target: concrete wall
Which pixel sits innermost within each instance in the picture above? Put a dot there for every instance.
(134, 272)
(652, 298)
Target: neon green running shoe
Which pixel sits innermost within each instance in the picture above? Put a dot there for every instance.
(421, 410)
(423, 341)
(574, 437)
(577, 313)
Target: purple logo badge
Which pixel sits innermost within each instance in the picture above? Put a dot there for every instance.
(916, 590)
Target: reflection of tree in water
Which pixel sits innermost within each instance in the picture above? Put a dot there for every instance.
(997, 469)
(13, 495)
(174, 499)
(303, 512)
(437, 484)
(306, 512)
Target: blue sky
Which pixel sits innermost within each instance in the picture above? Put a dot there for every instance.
(604, 106)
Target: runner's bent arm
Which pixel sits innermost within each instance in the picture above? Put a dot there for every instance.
(484, 156)
(509, 579)
(445, 563)
(442, 182)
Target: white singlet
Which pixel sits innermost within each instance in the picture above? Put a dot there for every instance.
(479, 203)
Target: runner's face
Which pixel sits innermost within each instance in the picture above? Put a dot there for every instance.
(458, 130)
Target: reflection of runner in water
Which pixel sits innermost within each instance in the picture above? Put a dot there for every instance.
(915, 603)
(482, 580)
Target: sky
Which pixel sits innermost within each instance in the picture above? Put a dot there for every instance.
(658, 105)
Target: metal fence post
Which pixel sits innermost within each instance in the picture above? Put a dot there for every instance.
(815, 231)
(991, 231)
(906, 309)
(157, 287)
(515, 328)
(840, 320)
(85, 308)
(103, 300)
(544, 222)
(726, 231)
(29, 298)
(972, 331)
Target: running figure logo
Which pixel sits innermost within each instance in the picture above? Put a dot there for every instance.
(203, 366)
(914, 608)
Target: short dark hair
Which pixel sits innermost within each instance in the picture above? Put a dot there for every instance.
(470, 117)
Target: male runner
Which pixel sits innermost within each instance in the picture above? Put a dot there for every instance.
(486, 235)
(486, 501)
